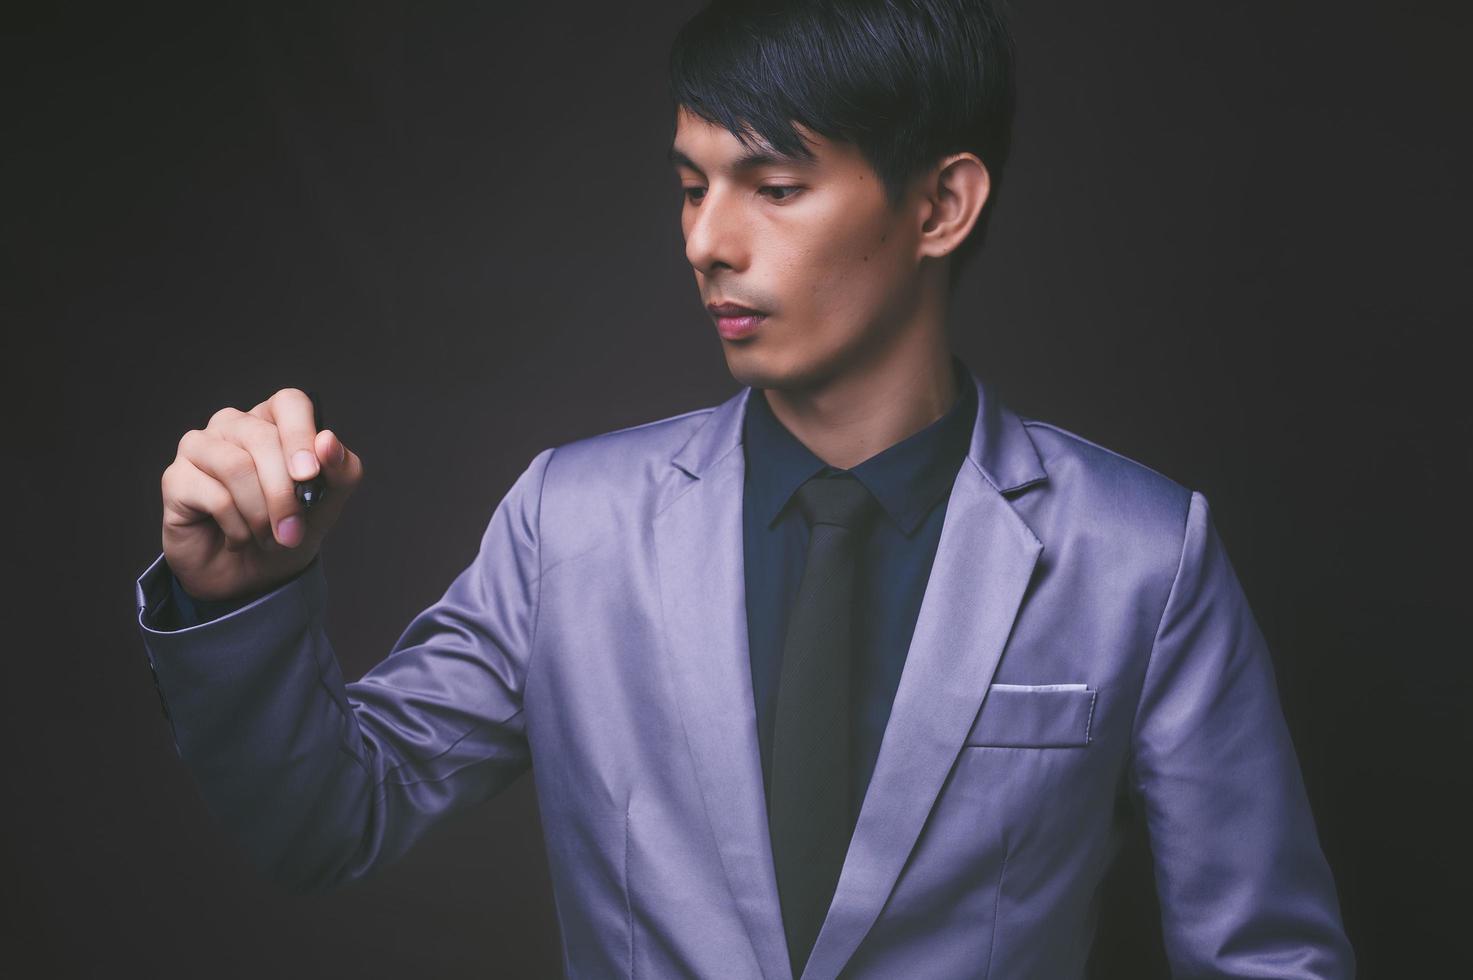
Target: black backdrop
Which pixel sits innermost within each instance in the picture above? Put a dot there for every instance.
(1230, 245)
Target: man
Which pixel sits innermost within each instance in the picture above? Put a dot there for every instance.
(846, 673)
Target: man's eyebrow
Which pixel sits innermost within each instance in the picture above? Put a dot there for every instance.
(751, 160)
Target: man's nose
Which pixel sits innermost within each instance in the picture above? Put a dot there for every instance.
(714, 236)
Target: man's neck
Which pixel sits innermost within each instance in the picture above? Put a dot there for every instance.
(867, 410)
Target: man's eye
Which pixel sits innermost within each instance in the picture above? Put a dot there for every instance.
(784, 192)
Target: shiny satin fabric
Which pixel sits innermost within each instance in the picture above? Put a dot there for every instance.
(1083, 635)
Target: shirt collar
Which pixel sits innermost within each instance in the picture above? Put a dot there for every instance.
(907, 478)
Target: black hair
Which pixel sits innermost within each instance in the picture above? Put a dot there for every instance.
(906, 81)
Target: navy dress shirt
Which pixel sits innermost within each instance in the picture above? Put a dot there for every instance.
(912, 481)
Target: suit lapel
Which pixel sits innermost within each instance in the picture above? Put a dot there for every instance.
(984, 561)
(698, 540)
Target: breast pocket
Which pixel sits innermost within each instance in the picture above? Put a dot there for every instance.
(1037, 716)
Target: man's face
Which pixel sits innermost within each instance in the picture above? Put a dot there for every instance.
(814, 245)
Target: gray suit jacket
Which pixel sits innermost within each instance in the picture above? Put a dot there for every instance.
(1083, 637)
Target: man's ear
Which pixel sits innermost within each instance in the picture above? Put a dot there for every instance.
(954, 194)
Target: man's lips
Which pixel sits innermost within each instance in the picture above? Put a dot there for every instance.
(735, 322)
(732, 310)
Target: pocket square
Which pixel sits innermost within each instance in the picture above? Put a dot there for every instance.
(1034, 716)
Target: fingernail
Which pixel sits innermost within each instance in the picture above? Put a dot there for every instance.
(342, 451)
(289, 531)
(303, 464)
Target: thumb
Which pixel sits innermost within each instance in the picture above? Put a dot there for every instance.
(340, 465)
(341, 471)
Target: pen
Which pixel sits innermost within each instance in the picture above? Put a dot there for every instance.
(312, 491)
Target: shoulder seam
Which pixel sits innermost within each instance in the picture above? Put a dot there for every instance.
(1104, 449)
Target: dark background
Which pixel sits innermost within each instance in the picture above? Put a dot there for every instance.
(1230, 245)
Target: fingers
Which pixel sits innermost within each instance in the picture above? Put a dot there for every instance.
(191, 493)
(234, 468)
(252, 458)
(271, 505)
(290, 409)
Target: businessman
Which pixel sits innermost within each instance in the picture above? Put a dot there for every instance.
(844, 675)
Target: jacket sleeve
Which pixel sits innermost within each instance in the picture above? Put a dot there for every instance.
(1244, 887)
(324, 782)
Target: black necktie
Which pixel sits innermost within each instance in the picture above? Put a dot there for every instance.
(809, 801)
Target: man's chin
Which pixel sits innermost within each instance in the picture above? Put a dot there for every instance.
(760, 369)
(750, 367)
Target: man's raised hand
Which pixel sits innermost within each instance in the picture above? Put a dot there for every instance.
(233, 526)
